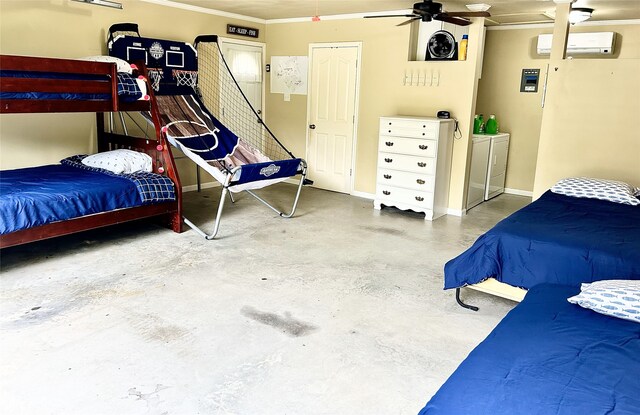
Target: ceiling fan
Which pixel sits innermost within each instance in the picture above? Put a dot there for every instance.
(428, 10)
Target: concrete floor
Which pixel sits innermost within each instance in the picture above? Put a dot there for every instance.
(339, 310)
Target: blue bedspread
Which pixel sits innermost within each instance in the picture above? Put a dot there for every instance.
(557, 239)
(39, 195)
(548, 356)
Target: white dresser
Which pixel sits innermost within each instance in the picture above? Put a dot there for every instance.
(414, 164)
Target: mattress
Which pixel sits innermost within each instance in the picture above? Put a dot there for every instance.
(548, 356)
(40, 195)
(556, 239)
(129, 90)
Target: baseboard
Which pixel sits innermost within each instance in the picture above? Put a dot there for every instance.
(518, 192)
(291, 180)
(456, 212)
(363, 195)
(194, 187)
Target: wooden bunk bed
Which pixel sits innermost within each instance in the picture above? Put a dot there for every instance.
(96, 85)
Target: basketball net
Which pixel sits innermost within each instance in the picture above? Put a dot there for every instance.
(155, 74)
(185, 78)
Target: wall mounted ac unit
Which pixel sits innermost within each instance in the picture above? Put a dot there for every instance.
(600, 43)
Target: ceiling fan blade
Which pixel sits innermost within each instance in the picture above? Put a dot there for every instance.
(409, 21)
(391, 15)
(469, 14)
(453, 20)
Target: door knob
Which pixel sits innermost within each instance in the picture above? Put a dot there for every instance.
(312, 126)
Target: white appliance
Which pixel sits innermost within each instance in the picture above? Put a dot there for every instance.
(601, 43)
(497, 169)
(489, 153)
(480, 146)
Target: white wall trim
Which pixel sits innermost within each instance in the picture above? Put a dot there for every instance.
(337, 17)
(194, 187)
(205, 10)
(550, 25)
(518, 192)
(364, 195)
(456, 212)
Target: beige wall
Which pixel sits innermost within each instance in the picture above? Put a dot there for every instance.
(507, 52)
(589, 127)
(63, 28)
(384, 61)
(588, 123)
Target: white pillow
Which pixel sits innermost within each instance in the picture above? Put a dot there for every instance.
(616, 298)
(120, 161)
(121, 65)
(611, 190)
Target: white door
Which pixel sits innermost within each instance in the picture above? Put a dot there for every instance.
(246, 62)
(332, 108)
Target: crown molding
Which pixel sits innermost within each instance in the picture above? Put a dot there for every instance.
(337, 17)
(205, 10)
(550, 25)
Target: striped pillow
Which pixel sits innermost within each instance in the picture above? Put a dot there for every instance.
(610, 190)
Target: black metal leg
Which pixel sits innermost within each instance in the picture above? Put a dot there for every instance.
(198, 178)
(470, 307)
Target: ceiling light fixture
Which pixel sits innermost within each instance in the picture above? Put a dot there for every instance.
(478, 7)
(579, 14)
(105, 3)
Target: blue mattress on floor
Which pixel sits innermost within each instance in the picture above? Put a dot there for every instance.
(548, 357)
(39, 195)
(556, 239)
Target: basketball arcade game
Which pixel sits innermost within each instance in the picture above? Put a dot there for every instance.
(206, 115)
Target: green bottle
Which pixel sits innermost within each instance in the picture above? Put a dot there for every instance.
(477, 124)
(492, 125)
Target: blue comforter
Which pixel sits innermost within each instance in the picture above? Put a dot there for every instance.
(39, 195)
(556, 239)
(548, 356)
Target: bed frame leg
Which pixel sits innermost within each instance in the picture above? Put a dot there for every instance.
(470, 307)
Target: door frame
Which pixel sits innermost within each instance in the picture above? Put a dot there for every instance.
(356, 103)
(222, 39)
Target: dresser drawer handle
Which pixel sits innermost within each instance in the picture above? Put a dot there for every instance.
(389, 143)
(389, 123)
(423, 146)
(387, 176)
(422, 164)
(420, 198)
(389, 130)
(388, 160)
(420, 181)
(386, 192)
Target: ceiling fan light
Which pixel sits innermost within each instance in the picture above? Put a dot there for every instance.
(579, 14)
(478, 7)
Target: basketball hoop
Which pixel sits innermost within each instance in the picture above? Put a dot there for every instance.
(155, 74)
(185, 78)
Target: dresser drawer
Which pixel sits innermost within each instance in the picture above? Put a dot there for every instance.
(404, 162)
(409, 128)
(395, 196)
(405, 179)
(411, 146)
